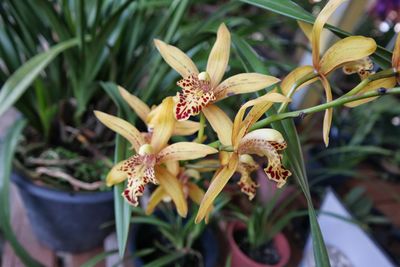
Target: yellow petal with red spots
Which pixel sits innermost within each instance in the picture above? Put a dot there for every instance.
(267, 142)
(246, 166)
(195, 95)
(115, 175)
(396, 54)
(178, 60)
(121, 127)
(219, 56)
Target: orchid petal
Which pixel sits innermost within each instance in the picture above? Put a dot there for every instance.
(323, 16)
(267, 142)
(177, 59)
(219, 56)
(163, 125)
(346, 50)
(306, 28)
(296, 74)
(389, 82)
(218, 183)
(246, 166)
(329, 112)
(155, 198)
(261, 105)
(122, 127)
(184, 151)
(183, 128)
(115, 175)
(173, 188)
(243, 83)
(220, 122)
(173, 167)
(140, 108)
(196, 194)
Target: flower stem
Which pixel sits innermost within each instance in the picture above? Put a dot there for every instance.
(380, 75)
(338, 102)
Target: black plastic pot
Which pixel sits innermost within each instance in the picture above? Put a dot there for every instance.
(208, 242)
(66, 221)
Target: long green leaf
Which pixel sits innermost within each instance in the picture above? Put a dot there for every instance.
(292, 10)
(122, 209)
(6, 155)
(22, 78)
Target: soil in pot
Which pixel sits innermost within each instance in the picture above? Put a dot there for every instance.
(266, 253)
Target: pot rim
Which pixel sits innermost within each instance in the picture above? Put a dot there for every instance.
(237, 225)
(23, 183)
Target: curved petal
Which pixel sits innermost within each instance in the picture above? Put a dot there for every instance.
(155, 198)
(164, 123)
(140, 108)
(243, 83)
(178, 60)
(328, 112)
(396, 54)
(173, 167)
(219, 56)
(220, 122)
(323, 16)
(346, 50)
(364, 67)
(296, 74)
(246, 166)
(306, 28)
(218, 183)
(116, 175)
(184, 151)
(121, 127)
(173, 188)
(267, 142)
(261, 105)
(196, 194)
(188, 127)
(374, 85)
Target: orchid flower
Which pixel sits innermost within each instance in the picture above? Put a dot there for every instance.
(147, 166)
(149, 115)
(262, 142)
(388, 82)
(346, 51)
(201, 90)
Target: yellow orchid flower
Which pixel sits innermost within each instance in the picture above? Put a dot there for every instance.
(149, 116)
(201, 90)
(388, 82)
(147, 166)
(346, 51)
(261, 142)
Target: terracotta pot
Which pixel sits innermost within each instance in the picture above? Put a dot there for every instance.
(240, 259)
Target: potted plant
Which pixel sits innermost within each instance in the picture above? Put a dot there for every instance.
(255, 239)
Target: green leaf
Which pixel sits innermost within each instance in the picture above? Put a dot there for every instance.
(162, 261)
(22, 78)
(122, 209)
(98, 258)
(292, 10)
(6, 155)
